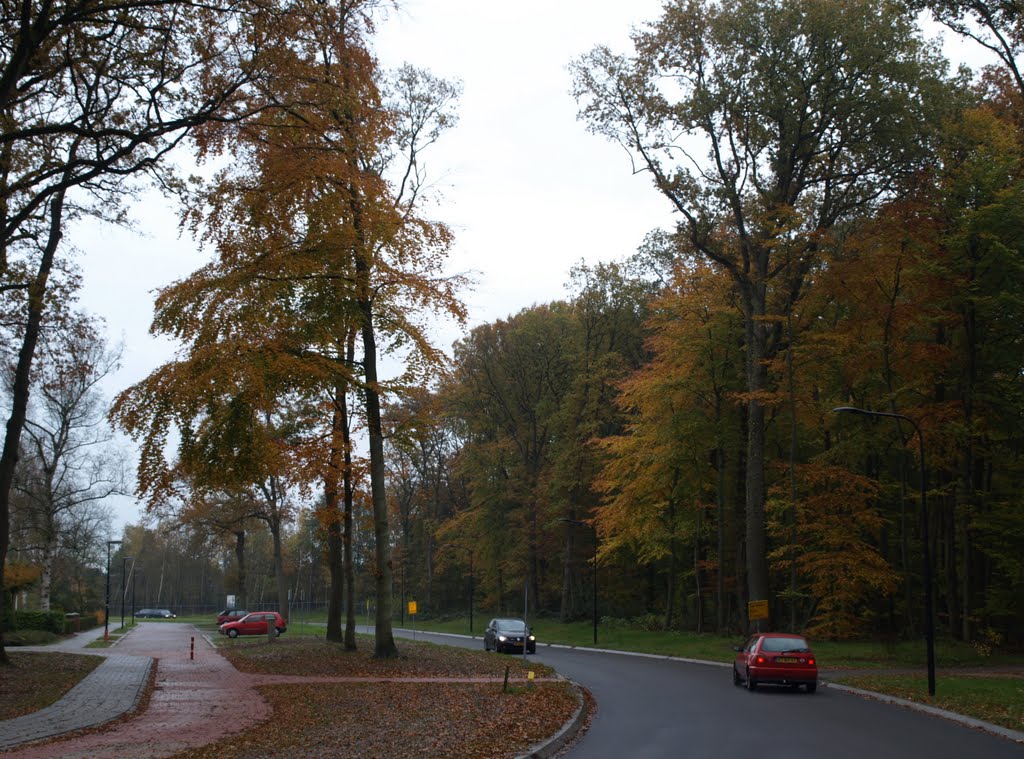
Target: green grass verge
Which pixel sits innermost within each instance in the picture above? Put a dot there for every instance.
(856, 654)
(860, 654)
(999, 700)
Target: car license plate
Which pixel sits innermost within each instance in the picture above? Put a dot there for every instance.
(785, 660)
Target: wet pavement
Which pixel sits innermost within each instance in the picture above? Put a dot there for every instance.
(199, 697)
(111, 690)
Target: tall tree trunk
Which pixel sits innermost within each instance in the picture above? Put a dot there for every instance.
(565, 613)
(350, 570)
(348, 566)
(673, 563)
(670, 588)
(46, 576)
(20, 390)
(793, 516)
(533, 553)
(720, 507)
(739, 509)
(332, 517)
(243, 599)
(756, 539)
(698, 575)
(280, 578)
(384, 641)
(966, 493)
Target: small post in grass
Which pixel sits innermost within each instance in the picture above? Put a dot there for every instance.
(504, 688)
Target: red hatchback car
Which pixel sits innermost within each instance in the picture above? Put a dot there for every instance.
(255, 623)
(776, 658)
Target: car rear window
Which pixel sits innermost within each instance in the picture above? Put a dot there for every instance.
(778, 645)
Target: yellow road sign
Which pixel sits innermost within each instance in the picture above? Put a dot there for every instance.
(412, 607)
(757, 610)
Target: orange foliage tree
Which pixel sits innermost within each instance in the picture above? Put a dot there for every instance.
(806, 114)
(664, 476)
(321, 239)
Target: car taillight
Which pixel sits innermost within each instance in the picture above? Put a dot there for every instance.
(760, 660)
(811, 660)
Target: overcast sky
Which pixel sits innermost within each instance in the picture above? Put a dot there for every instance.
(526, 189)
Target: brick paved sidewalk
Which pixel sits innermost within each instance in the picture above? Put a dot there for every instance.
(196, 700)
(109, 691)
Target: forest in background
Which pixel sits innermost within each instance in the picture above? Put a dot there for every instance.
(850, 223)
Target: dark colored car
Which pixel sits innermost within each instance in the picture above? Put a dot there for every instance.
(509, 636)
(255, 623)
(775, 658)
(154, 614)
(230, 615)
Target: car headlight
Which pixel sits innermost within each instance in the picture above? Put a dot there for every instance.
(502, 638)
(532, 638)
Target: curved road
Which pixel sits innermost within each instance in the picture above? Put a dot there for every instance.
(653, 708)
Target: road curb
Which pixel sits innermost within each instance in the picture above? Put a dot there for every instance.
(568, 731)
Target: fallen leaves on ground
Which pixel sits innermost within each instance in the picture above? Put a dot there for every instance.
(33, 681)
(400, 721)
(390, 720)
(314, 657)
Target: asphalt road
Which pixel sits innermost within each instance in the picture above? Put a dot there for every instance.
(652, 708)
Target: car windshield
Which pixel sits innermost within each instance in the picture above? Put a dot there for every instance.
(511, 625)
(785, 645)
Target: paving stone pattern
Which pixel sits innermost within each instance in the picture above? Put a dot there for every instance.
(109, 691)
(199, 698)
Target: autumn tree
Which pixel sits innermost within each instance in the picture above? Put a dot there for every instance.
(665, 476)
(421, 449)
(767, 126)
(509, 382)
(322, 248)
(609, 303)
(93, 95)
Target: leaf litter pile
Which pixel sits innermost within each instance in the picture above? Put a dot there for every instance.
(394, 720)
(36, 680)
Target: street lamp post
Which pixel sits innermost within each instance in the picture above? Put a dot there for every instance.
(124, 581)
(471, 592)
(926, 578)
(106, 608)
(578, 523)
(134, 575)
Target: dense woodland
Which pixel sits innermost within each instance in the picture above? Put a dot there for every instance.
(850, 212)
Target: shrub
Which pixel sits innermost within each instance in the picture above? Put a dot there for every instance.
(29, 637)
(50, 621)
(648, 623)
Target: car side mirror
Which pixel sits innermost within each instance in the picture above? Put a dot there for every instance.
(738, 649)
